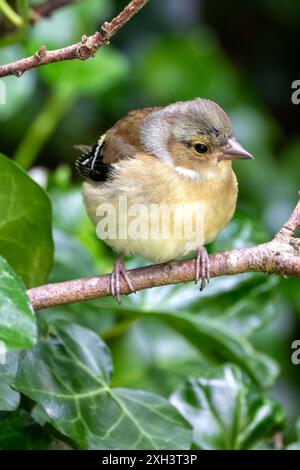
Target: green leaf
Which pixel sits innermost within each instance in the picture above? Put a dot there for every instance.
(216, 342)
(241, 304)
(18, 327)
(9, 398)
(25, 228)
(69, 377)
(226, 412)
(241, 232)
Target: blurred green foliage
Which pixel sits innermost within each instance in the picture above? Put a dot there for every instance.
(224, 357)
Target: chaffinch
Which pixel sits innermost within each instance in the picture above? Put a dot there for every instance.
(155, 167)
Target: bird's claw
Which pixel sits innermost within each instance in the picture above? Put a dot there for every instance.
(118, 271)
(202, 267)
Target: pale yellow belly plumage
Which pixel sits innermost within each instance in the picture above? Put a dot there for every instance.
(146, 209)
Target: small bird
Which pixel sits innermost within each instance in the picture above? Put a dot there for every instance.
(176, 158)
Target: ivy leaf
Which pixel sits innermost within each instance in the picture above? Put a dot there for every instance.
(25, 228)
(226, 412)
(18, 327)
(295, 445)
(9, 398)
(17, 93)
(69, 378)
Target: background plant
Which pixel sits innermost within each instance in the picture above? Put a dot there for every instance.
(222, 358)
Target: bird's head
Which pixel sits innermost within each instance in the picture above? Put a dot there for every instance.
(193, 136)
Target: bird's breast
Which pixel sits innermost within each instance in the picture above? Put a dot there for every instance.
(148, 210)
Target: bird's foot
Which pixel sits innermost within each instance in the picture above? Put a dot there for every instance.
(202, 267)
(118, 271)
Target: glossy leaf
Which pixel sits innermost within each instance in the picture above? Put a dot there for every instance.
(25, 228)
(17, 319)
(219, 320)
(226, 412)
(69, 377)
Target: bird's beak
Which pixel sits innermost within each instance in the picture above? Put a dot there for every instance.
(234, 151)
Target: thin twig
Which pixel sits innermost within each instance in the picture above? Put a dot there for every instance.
(10, 14)
(279, 256)
(83, 50)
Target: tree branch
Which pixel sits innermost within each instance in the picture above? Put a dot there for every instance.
(83, 50)
(279, 256)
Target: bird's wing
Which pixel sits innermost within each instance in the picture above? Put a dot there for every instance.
(120, 142)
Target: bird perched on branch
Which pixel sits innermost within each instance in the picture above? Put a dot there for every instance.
(160, 183)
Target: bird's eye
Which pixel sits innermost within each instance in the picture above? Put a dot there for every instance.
(201, 148)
